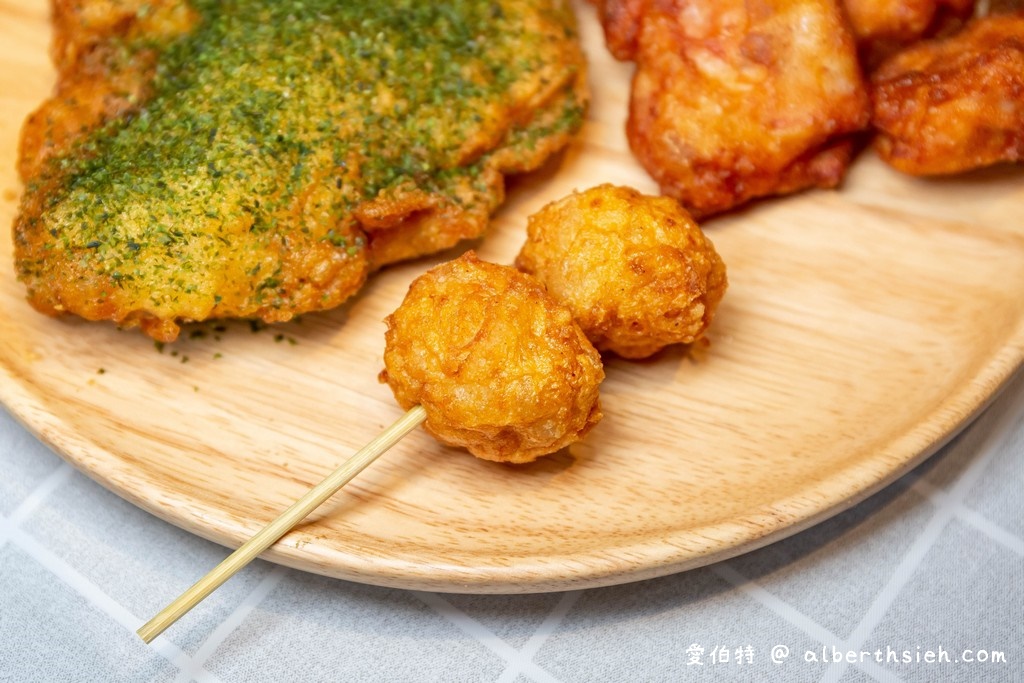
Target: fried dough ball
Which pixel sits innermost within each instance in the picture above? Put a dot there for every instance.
(636, 270)
(954, 104)
(499, 367)
(735, 100)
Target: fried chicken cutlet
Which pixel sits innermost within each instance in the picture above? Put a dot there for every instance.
(258, 158)
(954, 104)
(734, 100)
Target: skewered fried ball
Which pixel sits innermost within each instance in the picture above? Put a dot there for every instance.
(499, 367)
(635, 270)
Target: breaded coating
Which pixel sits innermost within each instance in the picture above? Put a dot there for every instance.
(733, 100)
(96, 81)
(259, 158)
(499, 367)
(621, 20)
(636, 271)
(954, 104)
(882, 27)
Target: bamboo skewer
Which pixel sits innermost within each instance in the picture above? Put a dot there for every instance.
(267, 536)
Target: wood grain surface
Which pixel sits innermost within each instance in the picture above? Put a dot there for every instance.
(862, 329)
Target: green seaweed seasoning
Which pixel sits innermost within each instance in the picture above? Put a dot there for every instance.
(271, 108)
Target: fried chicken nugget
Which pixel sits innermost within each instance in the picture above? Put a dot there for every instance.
(499, 367)
(881, 27)
(954, 104)
(734, 100)
(635, 270)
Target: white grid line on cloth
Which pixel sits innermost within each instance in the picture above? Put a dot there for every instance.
(10, 531)
(195, 670)
(486, 637)
(40, 493)
(91, 593)
(776, 604)
(541, 635)
(794, 617)
(901, 575)
(947, 507)
(980, 522)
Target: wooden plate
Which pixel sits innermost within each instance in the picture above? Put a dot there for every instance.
(862, 329)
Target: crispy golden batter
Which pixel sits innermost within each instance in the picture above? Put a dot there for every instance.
(954, 104)
(734, 100)
(621, 20)
(881, 27)
(636, 271)
(258, 158)
(95, 83)
(499, 367)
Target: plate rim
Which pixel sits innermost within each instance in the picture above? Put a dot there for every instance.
(906, 450)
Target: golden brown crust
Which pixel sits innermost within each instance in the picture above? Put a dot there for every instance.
(953, 104)
(883, 27)
(309, 269)
(500, 368)
(329, 232)
(635, 270)
(621, 21)
(79, 26)
(96, 82)
(411, 223)
(730, 101)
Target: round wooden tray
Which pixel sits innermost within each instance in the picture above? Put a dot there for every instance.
(862, 329)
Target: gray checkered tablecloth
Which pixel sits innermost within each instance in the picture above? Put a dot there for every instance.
(921, 582)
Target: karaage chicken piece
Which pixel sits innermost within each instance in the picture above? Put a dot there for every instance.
(954, 104)
(999, 6)
(882, 27)
(499, 367)
(734, 100)
(636, 271)
(257, 159)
